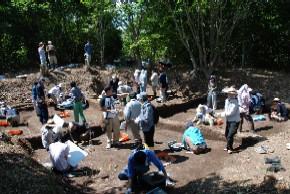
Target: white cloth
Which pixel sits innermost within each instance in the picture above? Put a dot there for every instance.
(124, 89)
(57, 93)
(154, 79)
(244, 98)
(143, 77)
(59, 155)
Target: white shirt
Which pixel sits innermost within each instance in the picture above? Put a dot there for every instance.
(58, 155)
(154, 79)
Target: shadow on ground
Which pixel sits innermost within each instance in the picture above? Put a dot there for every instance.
(22, 174)
(215, 184)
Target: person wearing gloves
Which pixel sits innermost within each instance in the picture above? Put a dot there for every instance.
(232, 115)
(56, 94)
(146, 119)
(154, 82)
(211, 96)
(143, 80)
(131, 111)
(138, 164)
(77, 97)
(244, 98)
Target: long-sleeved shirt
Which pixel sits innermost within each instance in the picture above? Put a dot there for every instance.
(108, 103)
(232, 112)
(76, 94)
(40, 93)
(88, 49)
(58, 154)
(194, 135)
(143, 77)
(132, 110)
(146, 117)
(150, 158)
(34, 92)
(154, 79)
(42, 56)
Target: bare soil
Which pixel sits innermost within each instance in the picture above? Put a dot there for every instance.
(214, 172)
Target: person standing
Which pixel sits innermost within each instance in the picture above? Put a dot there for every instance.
(232, 114)
(137, 80)
(163, 81)
(88, 53)
(131, 112)
(114, 83)
(42, 57)
(143, 80)
(41, 105)
(146, 120)
(77, 97)
(211, 96)
(244, 98)
(34, 95)
(110, 118)
(51, 52)
(154, 82)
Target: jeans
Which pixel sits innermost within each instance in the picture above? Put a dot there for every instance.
(248, 118)
(78, 112)
(231, 130)
(149, 137)
(143, 87)
(211, 100)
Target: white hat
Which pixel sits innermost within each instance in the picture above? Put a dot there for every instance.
(230, 90)
(276, 100)
(49, 42)
(120, 83)
(114, 76)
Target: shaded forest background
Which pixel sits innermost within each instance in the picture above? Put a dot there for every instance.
(202, 35)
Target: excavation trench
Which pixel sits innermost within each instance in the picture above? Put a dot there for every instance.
(167, 121)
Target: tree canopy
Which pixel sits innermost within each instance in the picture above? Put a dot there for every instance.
(201, 35)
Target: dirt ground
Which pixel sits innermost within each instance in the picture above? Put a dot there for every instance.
(213, 172)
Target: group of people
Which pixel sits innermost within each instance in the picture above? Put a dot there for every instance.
(56, 94)
(51, 55)
(49, 52)
(139, 115)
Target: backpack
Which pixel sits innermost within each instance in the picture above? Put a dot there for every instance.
(155, 115)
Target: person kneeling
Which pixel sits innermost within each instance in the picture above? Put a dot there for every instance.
(193, 139)
(138, 164)
(279, 111)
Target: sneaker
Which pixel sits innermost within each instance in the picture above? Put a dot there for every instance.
(225, 149)
(230, 151)
(108, 146)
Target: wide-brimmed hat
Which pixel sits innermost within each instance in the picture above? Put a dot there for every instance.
(230, 90)
(120, 83)
(41, 43)
(276, 100)
(49, 42)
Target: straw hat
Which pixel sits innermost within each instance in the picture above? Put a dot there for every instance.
(230, 90)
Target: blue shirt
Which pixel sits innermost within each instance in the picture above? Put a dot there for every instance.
(194, 134)
(88, 49)
(132, 110)
(146, 118)
(76, 93)
(150, 158)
